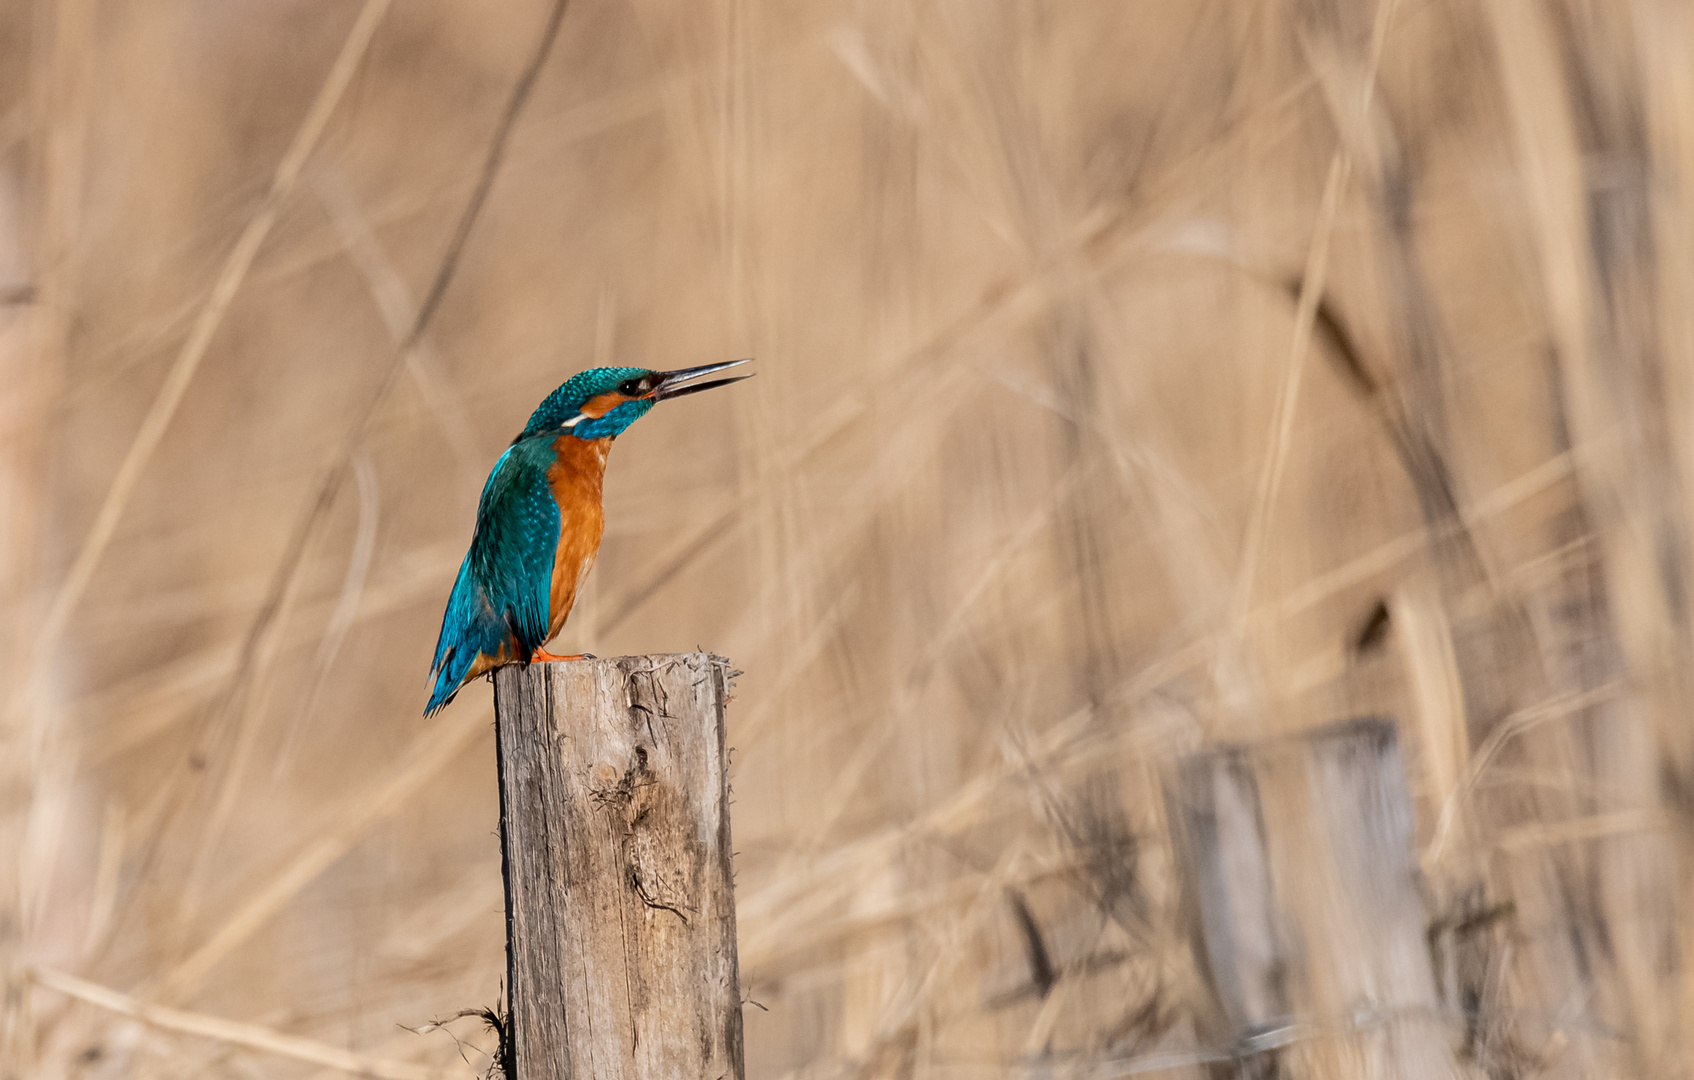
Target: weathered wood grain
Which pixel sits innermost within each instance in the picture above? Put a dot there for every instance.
(620, 915)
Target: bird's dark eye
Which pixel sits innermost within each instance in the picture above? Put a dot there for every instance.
(632, 387)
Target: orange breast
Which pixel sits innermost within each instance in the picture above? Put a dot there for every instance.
(576, 480)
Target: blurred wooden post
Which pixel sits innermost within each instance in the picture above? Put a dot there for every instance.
(1311, 927)
(614, 824)
(1225, 864)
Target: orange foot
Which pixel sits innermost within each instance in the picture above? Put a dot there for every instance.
(542, 656)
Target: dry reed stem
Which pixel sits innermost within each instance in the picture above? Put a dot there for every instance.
(1566, 705)
(1599, 826)
(1288, 399)
(399, 313)
(232, 1032)
(1312, 288)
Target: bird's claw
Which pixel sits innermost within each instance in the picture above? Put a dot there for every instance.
(542, 656)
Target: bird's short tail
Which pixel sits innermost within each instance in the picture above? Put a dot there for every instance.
(449, 673)
(470, 633)
(475, 635)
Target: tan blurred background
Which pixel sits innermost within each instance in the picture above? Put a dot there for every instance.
(1134, 378)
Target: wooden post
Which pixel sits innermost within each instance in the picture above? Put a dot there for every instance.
(614, 824)
(1222, 852)
(1309, 924)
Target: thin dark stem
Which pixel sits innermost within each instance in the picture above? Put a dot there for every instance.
(485, 181)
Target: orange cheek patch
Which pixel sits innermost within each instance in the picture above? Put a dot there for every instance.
(601, 404)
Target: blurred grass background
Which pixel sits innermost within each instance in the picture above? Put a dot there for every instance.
(1133, 377)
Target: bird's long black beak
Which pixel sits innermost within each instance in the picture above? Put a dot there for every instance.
(671, 383)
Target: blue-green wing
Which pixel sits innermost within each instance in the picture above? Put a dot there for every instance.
(517, 534)
(505, 584)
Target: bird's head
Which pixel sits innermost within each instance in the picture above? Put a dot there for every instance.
(601, 402)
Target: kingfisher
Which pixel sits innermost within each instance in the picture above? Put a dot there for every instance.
(539, 522)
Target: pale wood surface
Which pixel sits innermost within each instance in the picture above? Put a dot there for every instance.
(615, 827)
(1228, 873)
(1310, 924)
